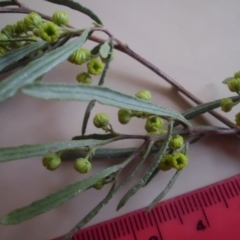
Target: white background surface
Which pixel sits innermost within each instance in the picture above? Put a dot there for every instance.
(195, 42)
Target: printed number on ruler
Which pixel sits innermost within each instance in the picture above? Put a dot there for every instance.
(211, 212)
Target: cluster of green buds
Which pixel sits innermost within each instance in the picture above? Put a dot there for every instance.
(153, 124)
(227, 104)
(101, 120)
(143, 95)
(176, 142)
(125, 115)
(94, 62)
(94, 65)
(33, 27)
(51, 161)
(176, 160)
(83, 165)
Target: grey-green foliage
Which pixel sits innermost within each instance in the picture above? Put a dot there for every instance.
(27, 151)
(73, 92)
(10, 86)
(43, 205)
(77, 6)
(14, 56)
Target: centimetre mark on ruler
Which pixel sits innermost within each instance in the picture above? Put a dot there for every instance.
(177, 212)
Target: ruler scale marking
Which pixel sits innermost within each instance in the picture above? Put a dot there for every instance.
(126, 225)
(172, 210)
(179, 203)
(178, 214)
(224, 199)
(212, 212)
(159, 232)
(208, 198)
(140, 220)
(205, 216)
(234, 187)
(135, 221)
(133, 232)
(204, 200)
(113, 230)
(159, 215)
(185, 204)
(190, 204)
(169, 216)
(226, 191)
(229, 187)
(237, 185)
(163, 214)
(194, 201)
(121, 224)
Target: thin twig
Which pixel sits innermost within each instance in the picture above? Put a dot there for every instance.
(125, 49)
(112, 191)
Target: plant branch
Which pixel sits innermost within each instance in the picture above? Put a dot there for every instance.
(125, 49)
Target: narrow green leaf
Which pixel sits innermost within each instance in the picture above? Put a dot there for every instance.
(149, 171)
(154, 174)
(88, 110)
(205, 107)
(6, 3)
(74, 92)
(53, 200)
(27, 151)
(110, 194)
(18, 40)
(95, 136)
(104, 50)
(10, 86)
(19, 53)
(101, 153)
(165, 191)
(225, 81)
(107, 64)
(92, 213)
(77, 6)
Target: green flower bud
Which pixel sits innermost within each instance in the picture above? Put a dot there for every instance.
(98, 185)
(80, 56)
(104, 60)
(82, 165)
(2, 51)
(176, 142)
(60, 18)
(84, 78)
(101, 120)
(166, 162)
(237, 75)
(179, 161)
(124, 116)
(144, 95)
(51, 161)
(20, 27)
(95, 67)
(234, 85)
(226, 104)
(49, 32)
(3, 37)
(9, 29)
(237, 119)
(32, 20)
(153, 124)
